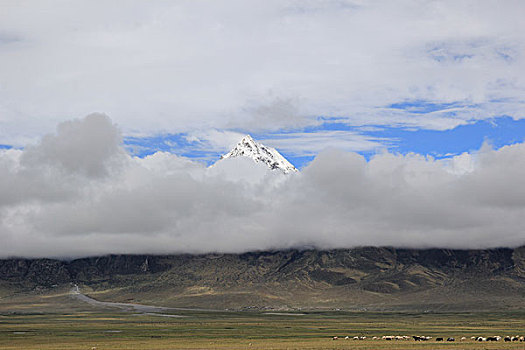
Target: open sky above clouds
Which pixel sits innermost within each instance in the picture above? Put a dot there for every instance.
(400, 114)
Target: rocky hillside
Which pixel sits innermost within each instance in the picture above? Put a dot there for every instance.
(362, 278)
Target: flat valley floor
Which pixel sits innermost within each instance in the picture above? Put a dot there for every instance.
(62, 321)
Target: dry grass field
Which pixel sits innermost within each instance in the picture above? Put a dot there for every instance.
(108, 329)
(60, 320)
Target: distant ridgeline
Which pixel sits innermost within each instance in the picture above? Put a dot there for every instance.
(360, 278)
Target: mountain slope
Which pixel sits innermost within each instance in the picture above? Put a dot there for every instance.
(362, 278)
(260, 153)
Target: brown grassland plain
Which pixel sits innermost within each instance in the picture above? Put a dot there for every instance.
(62, 322)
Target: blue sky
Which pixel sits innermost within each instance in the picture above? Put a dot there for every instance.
(470, 137)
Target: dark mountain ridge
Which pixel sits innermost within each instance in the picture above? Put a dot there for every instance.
(368, 277)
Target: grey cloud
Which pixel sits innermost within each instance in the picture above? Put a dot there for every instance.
(96, 199)
(270, 113)
(7, 39)
(63, 164)
(84, 146)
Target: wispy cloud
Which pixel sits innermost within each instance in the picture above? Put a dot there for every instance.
(311, 143)
(175, 67)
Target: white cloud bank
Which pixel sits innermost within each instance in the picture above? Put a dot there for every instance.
(193, 65)
(78, 193)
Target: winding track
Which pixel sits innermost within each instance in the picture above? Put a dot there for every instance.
(143, 309)
(155, 310)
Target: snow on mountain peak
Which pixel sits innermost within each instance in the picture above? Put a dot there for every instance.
(260, 153)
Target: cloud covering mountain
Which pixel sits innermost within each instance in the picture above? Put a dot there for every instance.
(77, 192)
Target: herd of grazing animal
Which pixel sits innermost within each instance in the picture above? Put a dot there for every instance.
(427, 338)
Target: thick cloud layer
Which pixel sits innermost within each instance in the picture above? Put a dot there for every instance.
(78, 193)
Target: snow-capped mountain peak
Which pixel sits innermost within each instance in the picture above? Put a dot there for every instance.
(260, 153)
